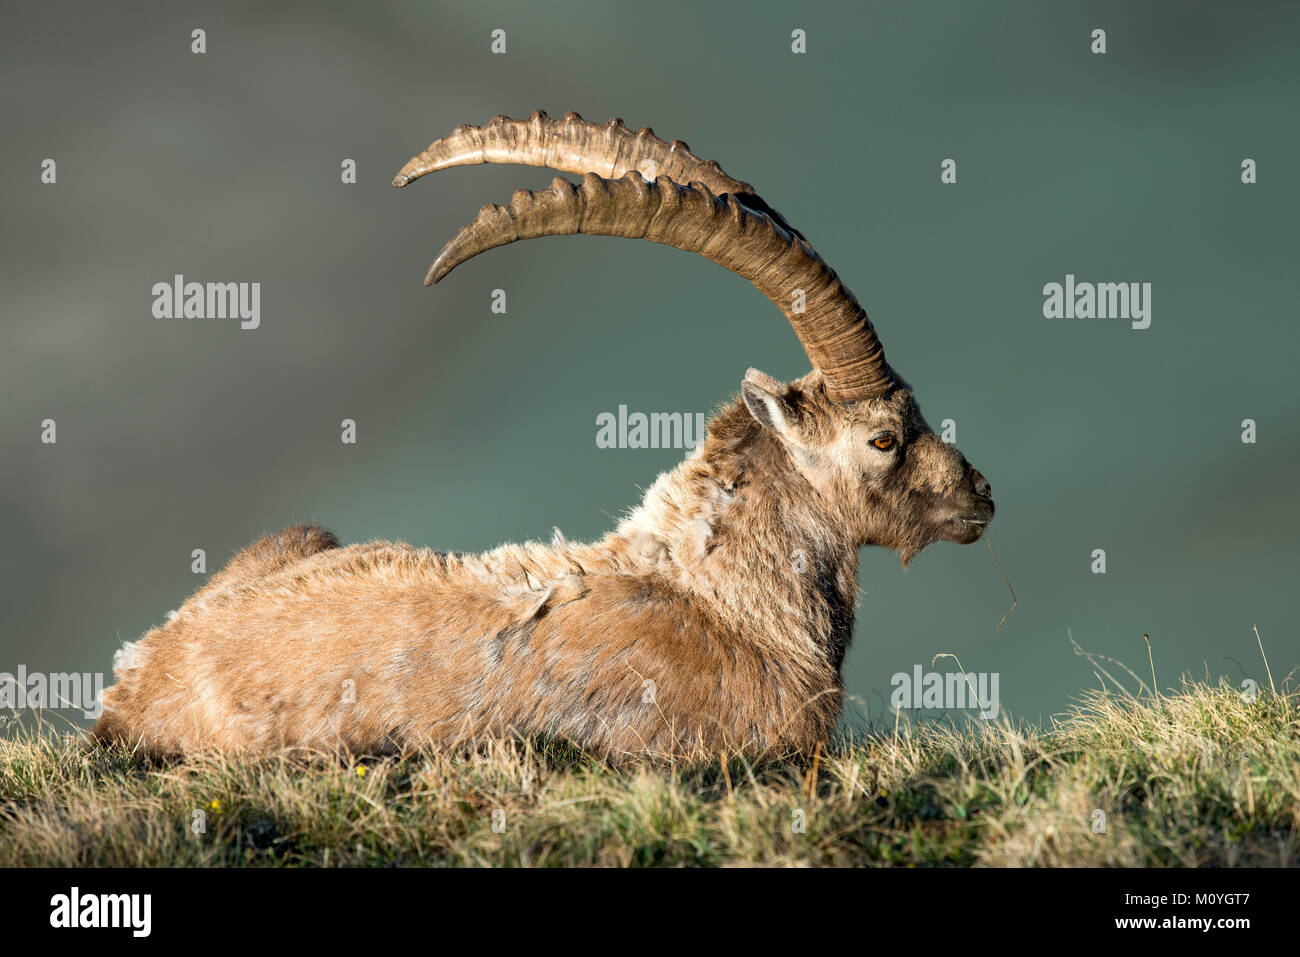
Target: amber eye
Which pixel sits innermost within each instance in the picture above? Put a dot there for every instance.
(883, 442)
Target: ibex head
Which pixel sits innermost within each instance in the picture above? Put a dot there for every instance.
(887, 476)
(851, 428)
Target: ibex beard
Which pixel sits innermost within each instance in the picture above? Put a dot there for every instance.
(715, 617)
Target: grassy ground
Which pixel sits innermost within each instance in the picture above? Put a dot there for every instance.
(1202, 777)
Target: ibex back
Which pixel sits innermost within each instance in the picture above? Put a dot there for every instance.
(715, 616)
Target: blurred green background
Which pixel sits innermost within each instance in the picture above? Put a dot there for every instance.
(477, 428)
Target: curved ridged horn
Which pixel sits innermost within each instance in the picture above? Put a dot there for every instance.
(574, 145)
(834, 329)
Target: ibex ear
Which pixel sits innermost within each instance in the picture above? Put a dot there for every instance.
(764, 397)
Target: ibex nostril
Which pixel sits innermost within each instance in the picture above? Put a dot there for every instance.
(982, 487)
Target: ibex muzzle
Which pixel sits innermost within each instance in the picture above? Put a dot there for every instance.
(716, 615)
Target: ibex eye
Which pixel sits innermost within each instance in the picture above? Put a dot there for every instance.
(883, 442)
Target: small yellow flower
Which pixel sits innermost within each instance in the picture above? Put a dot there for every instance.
(215, 805)
(361, 771)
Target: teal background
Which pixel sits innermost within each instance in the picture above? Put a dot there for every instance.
(476, 428)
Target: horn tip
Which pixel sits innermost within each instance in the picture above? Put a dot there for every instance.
(415, 168)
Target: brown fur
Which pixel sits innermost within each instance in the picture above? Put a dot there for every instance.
(715, 616)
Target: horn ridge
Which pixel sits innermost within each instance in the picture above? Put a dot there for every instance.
(574, 145)
(832, 326)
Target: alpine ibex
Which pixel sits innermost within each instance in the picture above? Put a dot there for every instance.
(716, 615)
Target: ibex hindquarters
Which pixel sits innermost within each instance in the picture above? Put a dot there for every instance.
(268, 555)
(716, 616)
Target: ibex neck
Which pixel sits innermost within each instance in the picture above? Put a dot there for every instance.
(737, 527)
